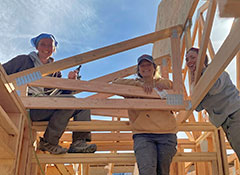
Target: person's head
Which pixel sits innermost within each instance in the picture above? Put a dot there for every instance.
(191, 59)
(146, 67)
(45, 44)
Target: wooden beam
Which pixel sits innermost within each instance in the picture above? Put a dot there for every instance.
(238, 70)
(176, 63)
(62, 169)
(119, 74)
(203, 8)
(225, 54)
(79, 85)
(111, 113)
(99, 53)
(205, 39)
(7, 150)
(9, 98)
(118, 158)
(119, 126)
(193, 8)
(7, 124)
(194, 32)
(80, 103)
(210, 45)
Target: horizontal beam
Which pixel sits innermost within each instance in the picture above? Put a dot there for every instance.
(99, 53)
(93, 86)
(118, 158)
(80, 103)
(119, 126)
(112, 113)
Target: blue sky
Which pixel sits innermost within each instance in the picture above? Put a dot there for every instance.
(78, 26)
(83, 25)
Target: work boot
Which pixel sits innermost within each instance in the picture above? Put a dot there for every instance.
(53, 149)
(80, 146)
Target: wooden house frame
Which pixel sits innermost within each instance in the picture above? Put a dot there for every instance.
(173, 36)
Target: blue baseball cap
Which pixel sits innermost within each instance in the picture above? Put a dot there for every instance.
(145, 57)
(35, 40)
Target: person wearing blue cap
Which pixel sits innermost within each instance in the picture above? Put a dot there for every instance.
(45, 45)
(154, 131)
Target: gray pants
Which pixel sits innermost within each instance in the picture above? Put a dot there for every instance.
(154, 152)
(231, 127)
(58, 120)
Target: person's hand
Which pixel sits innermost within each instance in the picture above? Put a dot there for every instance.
(72, 74)
(148, 87)
(161, 86)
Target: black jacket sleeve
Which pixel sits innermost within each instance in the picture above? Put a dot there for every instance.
(18, 64)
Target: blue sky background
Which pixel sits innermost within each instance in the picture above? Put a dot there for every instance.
(79, 26)
(83, 25)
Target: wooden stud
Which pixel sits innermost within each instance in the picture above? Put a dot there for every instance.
(205, 39)
(176, 63)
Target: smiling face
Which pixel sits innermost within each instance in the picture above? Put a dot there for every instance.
(146, 69)
(45, 48)
(191, 60)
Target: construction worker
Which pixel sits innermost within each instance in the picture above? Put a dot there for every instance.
(45, 45)
(154, 131)
(222, 102)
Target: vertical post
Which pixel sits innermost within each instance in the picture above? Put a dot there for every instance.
(176, 62)
(164, 67)
(238, 70)
(205, 40)
(223, 151)
(217, 148)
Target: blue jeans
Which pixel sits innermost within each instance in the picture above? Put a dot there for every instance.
(154, 152)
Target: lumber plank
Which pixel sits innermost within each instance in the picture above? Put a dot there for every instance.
(7, 124)
(205, 39)
(176, 63)
(10, 101)
(119, 157)
(83, 103)
(62, 169)
(112, 113)
(119, 126)
(79, 85)
(7, 150)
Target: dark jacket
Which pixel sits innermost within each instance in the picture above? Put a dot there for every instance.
(24, 62)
